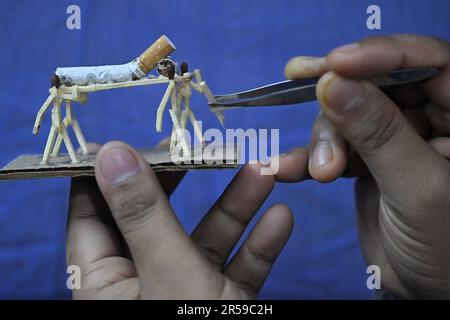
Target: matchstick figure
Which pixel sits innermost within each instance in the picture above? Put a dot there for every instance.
(179, 92)
(73, 85)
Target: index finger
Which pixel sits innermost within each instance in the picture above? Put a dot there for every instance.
(377, 55)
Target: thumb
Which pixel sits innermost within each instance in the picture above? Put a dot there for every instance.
(375, 127)
(156, 239)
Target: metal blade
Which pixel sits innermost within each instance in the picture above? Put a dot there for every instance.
(303, 90)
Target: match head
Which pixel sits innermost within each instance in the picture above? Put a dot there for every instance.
(55, 81)
(184, 68)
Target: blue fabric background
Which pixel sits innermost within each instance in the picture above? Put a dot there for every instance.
(237, 45)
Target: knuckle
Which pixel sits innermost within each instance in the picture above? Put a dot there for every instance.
(234, 217)
(377, 126)
(260, 255)
(135, 209)
(212, 253)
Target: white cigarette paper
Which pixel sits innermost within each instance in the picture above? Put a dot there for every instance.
(133, 70)
(82, 76)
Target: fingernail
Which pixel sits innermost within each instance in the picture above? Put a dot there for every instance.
(342, 94)
(322, 154)
(347, 48)
(304, 65)
(118, 165)
(308, 60)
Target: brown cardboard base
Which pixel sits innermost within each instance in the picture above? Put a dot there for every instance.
(209, 157)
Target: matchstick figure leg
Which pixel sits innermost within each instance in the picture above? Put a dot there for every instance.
(173, 139)
(187, 112)
(79, 135)
(60, 128)
(49, 144)
(183, 119)
(180, 135)
(162, 106)
(174, 114)
(72, 120)
(63, 132)
(54, 129)
(69, 145)
(197, 129)
(57, 145)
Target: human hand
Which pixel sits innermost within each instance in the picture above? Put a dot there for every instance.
(404, 176)
(129, 244)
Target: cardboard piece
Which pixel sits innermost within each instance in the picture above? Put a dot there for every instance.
(209, 157)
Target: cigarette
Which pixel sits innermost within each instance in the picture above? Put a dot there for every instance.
(133, 70)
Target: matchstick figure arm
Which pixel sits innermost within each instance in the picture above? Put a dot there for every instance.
(42, 110)
(198, 79)
(201, 87)
(162, 106)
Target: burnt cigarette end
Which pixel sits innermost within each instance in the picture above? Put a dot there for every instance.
(55, 81)
(171, 71)
(167, 68)
(184, 68)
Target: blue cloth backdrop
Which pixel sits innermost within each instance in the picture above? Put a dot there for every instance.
(237, 45)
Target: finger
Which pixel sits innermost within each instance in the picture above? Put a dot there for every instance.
(328, 156)
(305, 67)
(90, 235)
(223, 225)
(375, 127)
(293, 166)
(143, 214)
(254, 260)
(93, 238)
(437, 88)
(169, 180)
(383, 54)
(92, 147)
(376, 55)
(439, 119)
(441, 145)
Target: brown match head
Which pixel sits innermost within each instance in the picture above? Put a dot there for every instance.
(55, 81)
(184, 68)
